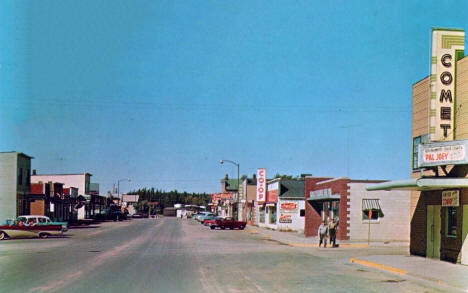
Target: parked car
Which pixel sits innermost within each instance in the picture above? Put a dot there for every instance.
(114, 213)
(229, 223)
(41, 220)
(198, 215)
(19, 229)
(140, 215)
(211, 220)
(204, 215)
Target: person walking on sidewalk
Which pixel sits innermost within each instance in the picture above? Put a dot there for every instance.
(323, 233)
(332, 227)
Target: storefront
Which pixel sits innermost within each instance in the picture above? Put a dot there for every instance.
(267, 210)
(439, 161)
(326, 200)
(361, 215)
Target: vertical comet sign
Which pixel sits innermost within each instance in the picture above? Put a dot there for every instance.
(261, 184)
(447, 47)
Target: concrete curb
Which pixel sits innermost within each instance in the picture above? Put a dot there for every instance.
(377, 266)
(407, 274)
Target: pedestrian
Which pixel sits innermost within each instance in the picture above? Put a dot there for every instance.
(322, 233)
(332, 227)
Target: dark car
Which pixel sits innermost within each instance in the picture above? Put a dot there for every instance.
(140, 215)
(114, 213)
(229, 223)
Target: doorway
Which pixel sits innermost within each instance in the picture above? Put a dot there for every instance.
(433, 231)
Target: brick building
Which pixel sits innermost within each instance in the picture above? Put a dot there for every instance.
(362, 215)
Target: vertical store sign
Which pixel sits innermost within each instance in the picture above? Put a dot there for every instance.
(261, 184)
(447, 47)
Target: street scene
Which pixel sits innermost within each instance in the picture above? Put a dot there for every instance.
(174, 255)
(233, 146)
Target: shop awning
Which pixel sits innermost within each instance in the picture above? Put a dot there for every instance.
(421, 184)
(370, 204)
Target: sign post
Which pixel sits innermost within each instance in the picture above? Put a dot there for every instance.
(368, 232)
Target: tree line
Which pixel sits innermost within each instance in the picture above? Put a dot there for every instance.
(169, 198)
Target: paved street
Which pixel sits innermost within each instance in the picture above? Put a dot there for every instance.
(172, 255)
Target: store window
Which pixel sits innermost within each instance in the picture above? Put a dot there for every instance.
(371, 209)
(325, 210)
(272, 215)
(335, 208)
(262, 215)
(302, 213)
(451, 221)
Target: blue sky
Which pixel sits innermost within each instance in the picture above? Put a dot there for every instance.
(160, 91)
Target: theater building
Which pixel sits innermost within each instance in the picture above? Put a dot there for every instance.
(439, 161)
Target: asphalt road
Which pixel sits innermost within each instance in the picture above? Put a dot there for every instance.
(173, 255)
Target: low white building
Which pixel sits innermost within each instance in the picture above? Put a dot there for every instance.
(390, 216)
(291, 205)
(80, 181)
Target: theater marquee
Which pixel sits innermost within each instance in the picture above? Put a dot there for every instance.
(447, 47)
(443, 153)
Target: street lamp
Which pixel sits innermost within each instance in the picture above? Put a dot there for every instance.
(118, 187)
(238, 165)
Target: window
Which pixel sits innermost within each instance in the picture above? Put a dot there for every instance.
(262, 215)
(423, 139)
(373, 213)
(20, 176)
(451, 221)
(335, 208)
(272, 215)
(371, 209)
(28, 177)
(302, 213)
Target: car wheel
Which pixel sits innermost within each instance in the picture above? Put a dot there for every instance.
(223, 228)
(212, 227)
(3, 235)
(43, 235)
(243, 227)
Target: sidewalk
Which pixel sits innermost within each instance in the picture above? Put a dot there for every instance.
(453, 277)
(297, 239)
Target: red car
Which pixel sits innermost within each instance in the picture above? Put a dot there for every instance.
(211, 221)
(229, 223)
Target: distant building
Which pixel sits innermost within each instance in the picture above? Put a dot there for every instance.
(80, 181)
(247, 196)
(15, 170)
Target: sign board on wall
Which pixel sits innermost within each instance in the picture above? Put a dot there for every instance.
(288, 207)
(261, 184)
(447, 47)
(272, 192)
(443, 153)
(285, 219)
(450, 198)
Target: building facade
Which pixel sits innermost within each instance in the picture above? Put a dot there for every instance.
(15, 180)
(81, 181)
(439, 168)
(247, 195)
(362, 215)
(291, 205)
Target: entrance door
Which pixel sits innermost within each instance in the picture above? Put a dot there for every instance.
(433, 231)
